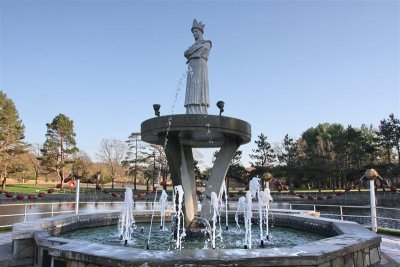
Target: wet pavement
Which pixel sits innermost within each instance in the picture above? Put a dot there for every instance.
(390, 247)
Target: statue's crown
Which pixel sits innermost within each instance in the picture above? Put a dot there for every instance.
(198, 25)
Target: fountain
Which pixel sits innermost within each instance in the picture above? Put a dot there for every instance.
(181, 133)
(126, 223)
(164, 203)
(41, 242)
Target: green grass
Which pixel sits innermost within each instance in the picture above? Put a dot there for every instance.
(388, 231)
(28, 189)
(5, 228)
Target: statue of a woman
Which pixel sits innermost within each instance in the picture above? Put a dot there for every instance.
(197, 97)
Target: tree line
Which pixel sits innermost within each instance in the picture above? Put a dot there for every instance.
(325, 156)
(332, 155)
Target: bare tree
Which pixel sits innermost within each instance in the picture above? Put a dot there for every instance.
(34, 155)
(155, 166)
(112, 152)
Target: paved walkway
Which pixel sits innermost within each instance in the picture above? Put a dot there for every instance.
(390, 247)
(5, 237)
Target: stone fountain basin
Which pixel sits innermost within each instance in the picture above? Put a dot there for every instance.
(38, 242)
(196, 130)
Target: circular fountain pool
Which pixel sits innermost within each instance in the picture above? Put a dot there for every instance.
(164, 240)
(41, 243)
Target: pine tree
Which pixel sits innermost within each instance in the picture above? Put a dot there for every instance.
(263, 155)
(59, 146)
(11, 136)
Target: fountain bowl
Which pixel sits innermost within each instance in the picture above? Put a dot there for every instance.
(196, 130)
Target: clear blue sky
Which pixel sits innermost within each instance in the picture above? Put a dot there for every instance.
(283, 66)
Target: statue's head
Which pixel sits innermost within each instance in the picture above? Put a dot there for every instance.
(198, 25)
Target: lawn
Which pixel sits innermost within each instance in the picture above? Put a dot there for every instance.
(28, 188)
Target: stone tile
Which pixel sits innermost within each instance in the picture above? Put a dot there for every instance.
(374, 255)
(338, 262)
(391, 247)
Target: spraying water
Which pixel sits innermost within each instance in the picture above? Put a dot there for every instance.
(241, 207)
(214, 206)
(126, 223)
(180, 234)
(222, 193)
(244, 205)
(266, 199)
(254, 187)
(247, 220)
(164, 203)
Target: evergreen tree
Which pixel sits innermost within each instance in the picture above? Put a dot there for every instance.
(387, 136)
(59, 146)
(235, 170)
(134, 155)
(318, 153)
(11, 137)
(263, 155)
(287, 151)
(288, 158)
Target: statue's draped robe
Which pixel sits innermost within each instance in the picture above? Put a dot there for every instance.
(197, 97)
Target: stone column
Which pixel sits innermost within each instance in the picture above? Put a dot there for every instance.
(180, 161)
(188, 184)
(217, 176)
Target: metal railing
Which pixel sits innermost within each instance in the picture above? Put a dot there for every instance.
(343, 216)
(23, 211)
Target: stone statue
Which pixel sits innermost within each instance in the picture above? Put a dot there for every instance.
(197, 97)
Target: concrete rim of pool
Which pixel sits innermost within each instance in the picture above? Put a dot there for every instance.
(37, 243)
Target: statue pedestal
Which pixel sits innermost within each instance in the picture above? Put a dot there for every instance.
(186, 131)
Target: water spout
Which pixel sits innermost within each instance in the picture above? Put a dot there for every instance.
(126, 223)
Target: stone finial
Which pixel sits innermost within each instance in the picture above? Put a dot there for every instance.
(371, 174)
(266, 177)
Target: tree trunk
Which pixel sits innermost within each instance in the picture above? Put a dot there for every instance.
(134, 182)
(36, 176)
(398, 153)
(388, 155)
(60, 175)
(4, 181)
